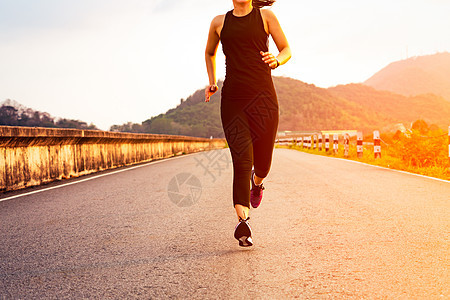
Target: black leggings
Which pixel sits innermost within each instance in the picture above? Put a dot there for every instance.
(250, 128)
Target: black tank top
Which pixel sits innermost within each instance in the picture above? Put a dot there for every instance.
(246, 73)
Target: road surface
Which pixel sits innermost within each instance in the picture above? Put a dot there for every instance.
(326, 228)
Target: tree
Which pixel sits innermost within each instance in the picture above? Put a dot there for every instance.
(161, 126)
(421, 126)
(8, 116)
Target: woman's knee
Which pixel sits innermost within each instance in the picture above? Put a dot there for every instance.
(262, 173)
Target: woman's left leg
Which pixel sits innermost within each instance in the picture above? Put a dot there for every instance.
(264, 126)
(263, 116)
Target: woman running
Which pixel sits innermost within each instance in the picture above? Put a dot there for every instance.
(249, 105)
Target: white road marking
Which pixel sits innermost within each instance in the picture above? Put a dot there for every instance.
(384, 168)
(158, 161)
(93, 177)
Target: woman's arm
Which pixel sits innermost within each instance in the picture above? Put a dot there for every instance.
(279, 38)
(210, 56)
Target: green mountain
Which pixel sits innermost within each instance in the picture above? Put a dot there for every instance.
(306, 107)
(415, 76)
(192, 117)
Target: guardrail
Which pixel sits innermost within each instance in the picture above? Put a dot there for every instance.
(308, 140)
(33, 156)
(315, 141)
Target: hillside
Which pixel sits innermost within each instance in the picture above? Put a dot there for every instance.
(306, 107)
(192, 117)
(13, 113)
(415, 76)
(394, 108)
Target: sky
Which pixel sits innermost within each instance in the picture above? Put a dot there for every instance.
(114, 61)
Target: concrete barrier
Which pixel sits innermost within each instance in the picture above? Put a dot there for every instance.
(33, 156)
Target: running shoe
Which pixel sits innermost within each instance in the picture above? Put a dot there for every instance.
(243, 233)
(256, 192)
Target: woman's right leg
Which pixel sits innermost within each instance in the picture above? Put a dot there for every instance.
(237, 134)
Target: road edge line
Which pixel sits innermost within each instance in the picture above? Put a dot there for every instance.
(375, 166)
(98, 176)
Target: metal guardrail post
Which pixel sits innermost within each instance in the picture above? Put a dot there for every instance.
(359, 144)
(327, 142)
(376, 144)
(335, 143)
(320, 142)
(346, 144)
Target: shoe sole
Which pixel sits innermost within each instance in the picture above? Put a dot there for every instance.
(246, 241)
(243, 234)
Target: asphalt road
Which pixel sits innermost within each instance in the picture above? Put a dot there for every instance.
(326, 228)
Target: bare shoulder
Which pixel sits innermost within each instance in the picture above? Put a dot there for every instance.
(217, 24)
(269, 19)
(218, 21)
(268, 14)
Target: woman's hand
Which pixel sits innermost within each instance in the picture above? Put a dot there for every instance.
(209, 91)
(270, 59)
